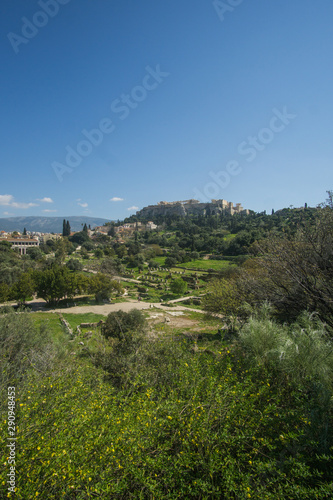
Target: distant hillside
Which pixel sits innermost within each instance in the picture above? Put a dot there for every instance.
(48, 224)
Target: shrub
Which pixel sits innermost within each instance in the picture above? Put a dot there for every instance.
(178, 286)
(118, 324)
(22, 347)
(74, 265)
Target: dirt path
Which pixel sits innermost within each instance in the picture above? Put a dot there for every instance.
(105, 309)
(38, 305)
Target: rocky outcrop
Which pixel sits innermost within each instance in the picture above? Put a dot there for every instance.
(191, 207)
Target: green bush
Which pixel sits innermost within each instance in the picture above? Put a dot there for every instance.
(118, 324)
(74, 265)
(23, 347)
(178, 424)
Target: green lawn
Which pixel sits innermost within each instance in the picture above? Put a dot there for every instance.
(229, 237)
(76, 319)
(160, 260)
(207, 264)
(52, 321)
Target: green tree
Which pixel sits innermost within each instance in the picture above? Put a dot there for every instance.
(121, 251)
(24, 288)
(102, 287)
(170, 262)
(222, 297)
(99, 253)
(79, 238)
(112, 231)
(4, 292)
(119, 324)
(74, 265)
(178, 286)
(57, 283)
(35, 253)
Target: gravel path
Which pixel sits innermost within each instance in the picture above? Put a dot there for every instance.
(105, 309)
(37, 305)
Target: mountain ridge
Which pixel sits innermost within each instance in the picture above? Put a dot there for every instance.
(48, 224)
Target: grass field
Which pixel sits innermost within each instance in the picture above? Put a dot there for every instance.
(160, 260)
(208, 264)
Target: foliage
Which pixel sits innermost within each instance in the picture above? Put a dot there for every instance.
(102, 286)
(22, 347)
(174, 424)
(4, 292)
(66, 228)
(112, 266)
(118, 324)
(222, 297)
(170, 262)
(74, 265)
(294, 274)
(79, 237)
(302, 350)
(57, 282)
(178, 286)
(35, 253)
(24, 287)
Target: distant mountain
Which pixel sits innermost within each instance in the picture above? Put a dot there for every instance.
(48, 224)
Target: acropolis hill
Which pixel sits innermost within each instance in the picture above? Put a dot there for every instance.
(192, 207)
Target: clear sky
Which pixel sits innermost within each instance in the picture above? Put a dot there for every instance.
(108, 105)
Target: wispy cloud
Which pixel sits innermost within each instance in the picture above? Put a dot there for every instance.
(115, 198)
(133, 208)
(49, 211)
(83, 205)
(46, 200)
(7, 200)
(7, 213)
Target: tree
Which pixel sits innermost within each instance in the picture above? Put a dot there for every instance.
(102, 287)
(178, 286)
(99, 253)
(121, 251)
(222, 297)
(79, 238)
(112, 266)
(24, 288)
(4, 292)
(74, 265)
(112, 231)
(57, 283)
(5, 246)
(24, 232)
(66, 228)
(85, 228)
(294, 273)
(120, 324)
(170, 262)
(35, 253)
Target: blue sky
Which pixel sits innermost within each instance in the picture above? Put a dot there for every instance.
(112, 105)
